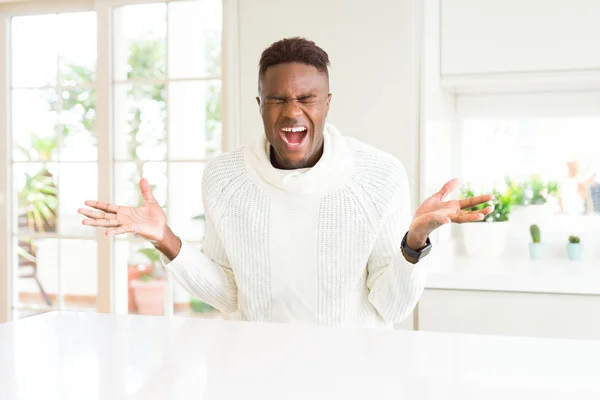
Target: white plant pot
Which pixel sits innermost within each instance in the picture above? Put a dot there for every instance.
(484, 239)
(531, 214)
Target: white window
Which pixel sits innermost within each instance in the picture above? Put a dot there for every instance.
(92, 110)
(539, 153)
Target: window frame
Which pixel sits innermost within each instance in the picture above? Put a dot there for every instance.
(112, 282)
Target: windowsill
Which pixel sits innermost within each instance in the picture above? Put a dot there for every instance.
(451, 270)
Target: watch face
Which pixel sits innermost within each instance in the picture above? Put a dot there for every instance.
(416, 254)
(425, 251)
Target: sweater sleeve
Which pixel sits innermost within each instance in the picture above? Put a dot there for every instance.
(206, 273)
(394, 284)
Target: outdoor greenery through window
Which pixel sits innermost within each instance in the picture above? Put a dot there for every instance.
(166, 114)
(545, 173)
(167, 123)
(539, 161)
(53, 158)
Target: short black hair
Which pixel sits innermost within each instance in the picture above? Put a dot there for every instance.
(294, 50)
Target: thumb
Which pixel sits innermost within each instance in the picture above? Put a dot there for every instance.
(146, 191)
(448, 188)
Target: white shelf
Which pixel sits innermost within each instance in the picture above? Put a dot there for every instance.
(514, 275)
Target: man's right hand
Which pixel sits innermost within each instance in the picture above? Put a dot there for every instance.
(148, 221)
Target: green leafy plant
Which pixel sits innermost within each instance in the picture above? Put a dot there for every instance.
(153, 255)
(538, 189)
(574, 239)
(502, 204)
(38, 201)
(146, 278)
(533, 191)
(198, 306)
(41, 149)
(536, 235)
(516, 191)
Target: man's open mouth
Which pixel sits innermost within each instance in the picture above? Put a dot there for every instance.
(294, 136)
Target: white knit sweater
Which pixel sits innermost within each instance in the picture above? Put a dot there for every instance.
(319, 245)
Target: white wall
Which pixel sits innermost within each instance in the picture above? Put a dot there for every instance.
(439, 150)
(510, 36)
(373, 76)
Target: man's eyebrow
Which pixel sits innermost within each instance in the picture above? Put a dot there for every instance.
(306, 96)
(280, 97)
(275, 97)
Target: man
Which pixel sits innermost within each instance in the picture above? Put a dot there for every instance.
(304, 224)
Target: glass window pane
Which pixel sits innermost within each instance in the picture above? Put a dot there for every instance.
(145, 276)
(79, 273)
(195, 39)
(36, 202)
(78, 119)
(185, 193)
(140, 41)
(127, 178)
(545, 160)
(34, 121)
(194, 120)
(140, 113)
(36, 272)
(78, 182)
(77, 48)
(34, 51)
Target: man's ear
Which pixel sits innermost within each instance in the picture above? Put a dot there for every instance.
(259, 105)
(328, 102)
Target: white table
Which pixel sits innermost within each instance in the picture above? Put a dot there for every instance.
(102, 357)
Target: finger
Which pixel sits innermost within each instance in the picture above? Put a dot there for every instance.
(448, 188)
(475, 201)
(467, 217)
(484, 211)
(102, 206)
(101, 222)
(146, 191)
(471, 216)
(427, 223)
(96, 214)
(120, 230)
(442, 220)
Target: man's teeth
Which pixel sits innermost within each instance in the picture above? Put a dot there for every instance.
(300, 129)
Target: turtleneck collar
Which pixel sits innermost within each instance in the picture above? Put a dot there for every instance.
(331, 169)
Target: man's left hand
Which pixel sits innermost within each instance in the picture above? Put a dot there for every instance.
(436, 211)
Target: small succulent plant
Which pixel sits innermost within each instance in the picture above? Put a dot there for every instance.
(536, 235)
(574, 239)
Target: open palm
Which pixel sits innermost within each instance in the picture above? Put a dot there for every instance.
(436, 211)
(148, 221)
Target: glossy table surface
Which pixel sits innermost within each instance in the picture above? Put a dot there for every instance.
(101, 357)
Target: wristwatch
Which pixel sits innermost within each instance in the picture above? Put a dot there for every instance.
(415, 255)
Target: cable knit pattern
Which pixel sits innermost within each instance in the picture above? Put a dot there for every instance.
(318, 246)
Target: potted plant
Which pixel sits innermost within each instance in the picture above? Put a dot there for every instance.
(199, 307)
(149, 289)
(487, 238)
(532, 199)
(536, 247)
(38, 203)
(574, 248)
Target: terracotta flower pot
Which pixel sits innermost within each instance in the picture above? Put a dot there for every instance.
(134, 272)
(149, 296)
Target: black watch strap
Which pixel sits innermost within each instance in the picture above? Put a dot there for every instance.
(415, 255)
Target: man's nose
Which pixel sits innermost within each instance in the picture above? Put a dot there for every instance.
(292, 109)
